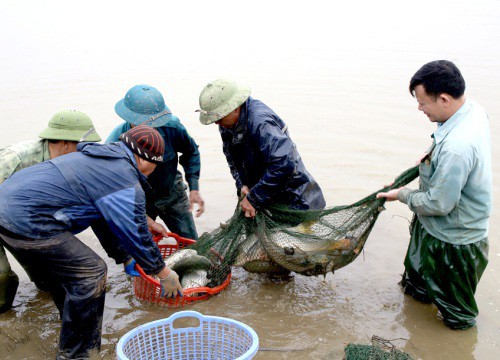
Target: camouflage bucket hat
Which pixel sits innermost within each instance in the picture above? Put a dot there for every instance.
(70, 125)
(143, 105)
(219, 98)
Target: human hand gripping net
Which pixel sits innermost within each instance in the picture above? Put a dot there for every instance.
(308, 242)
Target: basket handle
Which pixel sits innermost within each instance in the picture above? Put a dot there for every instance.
(186, 314)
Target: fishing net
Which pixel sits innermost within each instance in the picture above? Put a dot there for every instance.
(381, 349)
(279, 240)
(371, 352)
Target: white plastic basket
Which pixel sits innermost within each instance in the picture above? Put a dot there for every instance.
(214, 338)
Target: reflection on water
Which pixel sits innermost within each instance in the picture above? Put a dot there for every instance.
(425, 328)
(337, 75)
(31, 330)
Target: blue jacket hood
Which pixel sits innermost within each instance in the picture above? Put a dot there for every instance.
(116, 150)
(113, 150)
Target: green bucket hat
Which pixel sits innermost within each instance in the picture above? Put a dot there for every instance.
(70, 125)
(219, 98)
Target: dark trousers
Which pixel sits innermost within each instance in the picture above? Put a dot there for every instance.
(76, 277)
(445, 274)
(173, 209)
(8, 282)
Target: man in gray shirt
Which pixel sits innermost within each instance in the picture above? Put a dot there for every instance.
(448, 249)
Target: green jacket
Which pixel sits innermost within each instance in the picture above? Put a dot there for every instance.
(22, 155)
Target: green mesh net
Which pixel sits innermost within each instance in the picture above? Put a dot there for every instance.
(279, 240)
(381, 349)
(371, 352)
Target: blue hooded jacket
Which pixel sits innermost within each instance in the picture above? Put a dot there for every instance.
(98, 186)
(261, 155)
(177, 140)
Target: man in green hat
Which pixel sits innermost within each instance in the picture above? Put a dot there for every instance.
(166, 197)
(262, 157)
(65, 130)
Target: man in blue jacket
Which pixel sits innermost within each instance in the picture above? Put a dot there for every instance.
(43, 206)
(262, 158)
(65, 130)
(166, 195)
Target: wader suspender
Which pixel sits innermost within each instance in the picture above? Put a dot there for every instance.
(428, 156)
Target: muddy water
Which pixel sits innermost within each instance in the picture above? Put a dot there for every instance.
(337, 76)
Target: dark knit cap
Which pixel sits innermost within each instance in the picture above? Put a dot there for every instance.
(146, 142)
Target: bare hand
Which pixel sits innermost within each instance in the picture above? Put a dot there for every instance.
(156, 228)
(245, 190)
(391, 195)
(247, 208)
(195, 198)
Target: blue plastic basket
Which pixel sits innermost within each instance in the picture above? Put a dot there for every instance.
(214, 338)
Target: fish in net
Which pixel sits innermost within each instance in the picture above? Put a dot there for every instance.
(307, 242)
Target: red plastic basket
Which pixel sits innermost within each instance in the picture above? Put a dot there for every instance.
(149, 289)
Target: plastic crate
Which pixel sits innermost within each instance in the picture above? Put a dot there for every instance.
(148, 288)
(214, 338)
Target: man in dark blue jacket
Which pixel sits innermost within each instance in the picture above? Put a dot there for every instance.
(262, 158)
(166, 195)
(43, 206)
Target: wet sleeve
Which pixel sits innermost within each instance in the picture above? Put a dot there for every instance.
(109, 241)
(190, 158)
(230, 162)
(125, 213)
(445, 187)
(277, 150)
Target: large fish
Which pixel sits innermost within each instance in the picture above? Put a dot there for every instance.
(297, 248)
(250, 250)
(178, 256)
(309, 254)
(253, 258)
(194, 279)
(191, 267)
